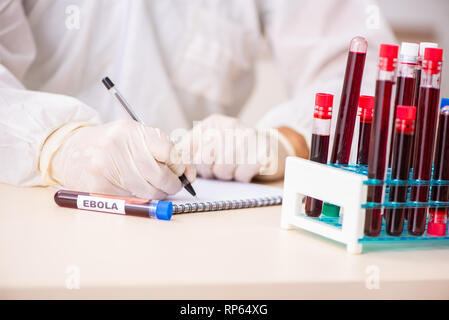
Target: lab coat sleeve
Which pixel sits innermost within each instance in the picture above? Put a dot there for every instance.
(31, 123)
(310, 41)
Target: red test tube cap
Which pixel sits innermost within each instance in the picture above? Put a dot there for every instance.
(366, 108)
(437, 222)
(323, 106)
(433, 54)
(433, 58)
(324, 100)
(366, 102)
(407, 113)
(388, 51)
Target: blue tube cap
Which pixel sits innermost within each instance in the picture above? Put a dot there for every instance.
(164, 210)
(444, 102)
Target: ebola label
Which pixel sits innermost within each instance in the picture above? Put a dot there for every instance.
(101, 204)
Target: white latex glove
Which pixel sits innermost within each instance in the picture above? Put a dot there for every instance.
(121, 157)
(222, 148)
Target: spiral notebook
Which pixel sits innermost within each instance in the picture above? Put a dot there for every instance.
(214, 195)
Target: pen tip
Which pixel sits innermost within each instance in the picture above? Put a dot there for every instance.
(107, 83)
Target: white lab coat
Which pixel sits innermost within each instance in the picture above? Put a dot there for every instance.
(175, 61)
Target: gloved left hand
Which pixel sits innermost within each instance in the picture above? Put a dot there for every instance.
(222, 148)
(122, 157)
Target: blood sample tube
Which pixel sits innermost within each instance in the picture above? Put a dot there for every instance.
(422, 47)
(322, 118)
(114, 204)
(406, 79)
(366, 108)
(404, 127)
(379, 134)
(437, 223)
(425, 136)
(349, 100)
(347, 112)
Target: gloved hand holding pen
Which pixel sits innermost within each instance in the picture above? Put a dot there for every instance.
(122, 157)
(223, 148)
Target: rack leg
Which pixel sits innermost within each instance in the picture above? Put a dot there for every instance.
(286, 226)
(354, 247)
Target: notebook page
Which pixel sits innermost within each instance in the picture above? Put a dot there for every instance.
(216, 190)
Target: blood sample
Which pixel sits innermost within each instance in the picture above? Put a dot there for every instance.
(366, 108)
(422, 47)
(349, 100)
(379, 134)
(400, 166)
(425, 136)
(114, 204)
(322, 118)
(347, 112)
(405, 85)
(437, 224)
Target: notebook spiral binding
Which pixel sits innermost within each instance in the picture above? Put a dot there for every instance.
(225, 205)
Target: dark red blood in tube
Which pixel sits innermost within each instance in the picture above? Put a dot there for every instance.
(322, 118)
(400, 167)
(425, 136)
(347, 112)
(379, 135)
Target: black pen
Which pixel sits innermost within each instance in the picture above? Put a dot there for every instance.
(111, 88)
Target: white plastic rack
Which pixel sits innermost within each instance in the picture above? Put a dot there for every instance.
(339, 187)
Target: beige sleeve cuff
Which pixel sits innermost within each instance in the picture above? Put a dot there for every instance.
(287, 145)
(52, 145)
(285, 149)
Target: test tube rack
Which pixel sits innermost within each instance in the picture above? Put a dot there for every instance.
(344, 187)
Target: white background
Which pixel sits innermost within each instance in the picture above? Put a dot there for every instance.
(411, 20)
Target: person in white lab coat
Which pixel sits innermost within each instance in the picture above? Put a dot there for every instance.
(176, 62)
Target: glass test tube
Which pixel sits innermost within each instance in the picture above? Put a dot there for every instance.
(322, 118)
(425, 136)
(366, 109)
(347, 112)
(437, 224)
(379, 134)
(422, 47)
(406, 80)
(404, 127)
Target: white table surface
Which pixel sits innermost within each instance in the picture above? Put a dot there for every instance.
(240, 254)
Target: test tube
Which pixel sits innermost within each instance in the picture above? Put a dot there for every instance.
(322, 118)
(114, 204)
(422, 47)
(406, 80)
(404, 127)
(347, 112)
(379, 134)
(437, 223)
(425, 136)
(366, 108)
